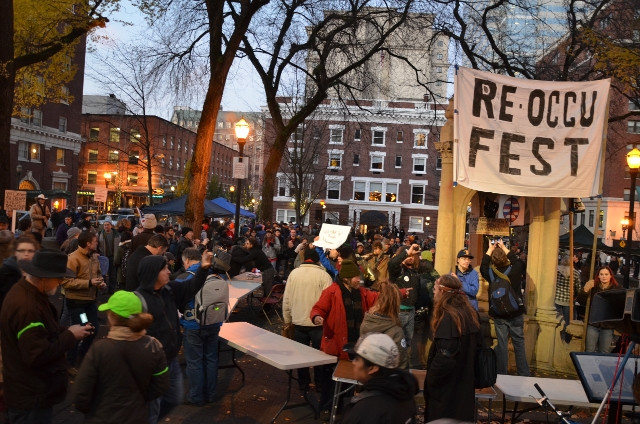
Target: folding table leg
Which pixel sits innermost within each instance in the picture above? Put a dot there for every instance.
(284, 405)
(334, 403)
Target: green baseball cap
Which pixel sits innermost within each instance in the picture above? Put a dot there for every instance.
(123, 303)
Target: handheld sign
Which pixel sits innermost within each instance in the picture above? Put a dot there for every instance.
(332, 236)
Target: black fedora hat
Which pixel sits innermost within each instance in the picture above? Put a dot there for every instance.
(47, 263)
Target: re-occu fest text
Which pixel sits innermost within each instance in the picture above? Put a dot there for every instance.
(486, 93)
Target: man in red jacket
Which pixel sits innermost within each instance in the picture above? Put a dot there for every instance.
(340, 311)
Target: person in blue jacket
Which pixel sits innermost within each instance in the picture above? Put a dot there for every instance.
(468, 276)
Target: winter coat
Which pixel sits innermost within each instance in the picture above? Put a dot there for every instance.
(385, 400)
(257, 256)
(102, 245)
(375, 323)
(303, 289)
(449, 389)
(33, 349)
(123, 251)
(163, 303)
(470, 284)
(142, 238)
(131, 280)
(9, 275)
(85, 268)
(331, 308)
(118, 376)
(405, 278)
(515, 277)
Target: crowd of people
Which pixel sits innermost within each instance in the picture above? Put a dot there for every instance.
(376, 299)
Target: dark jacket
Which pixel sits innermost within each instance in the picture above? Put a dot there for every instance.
(118, 377)
(131, 281)
(33, 349)
(163, 303)
(384, 400)
(449, 389)
(257, 256)
(405, 278)
(61, 233)
(515, 278)
(9, 275)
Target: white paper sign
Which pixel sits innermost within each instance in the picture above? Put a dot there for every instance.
(101, 194)
(332, 236)
(15, 200)
(528, 138)
(240, 169)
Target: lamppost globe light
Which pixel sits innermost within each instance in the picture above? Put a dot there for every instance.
(242, 130)
(633, 161)
(173, 188)
(232, 189)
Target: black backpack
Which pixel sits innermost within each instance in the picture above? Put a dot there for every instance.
(503, 300)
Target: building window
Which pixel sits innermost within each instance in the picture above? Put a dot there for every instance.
(420, 140)
(377, 162)
(627, 193)
(592, 216)
(633, 104)
(335, 159)
(601, 218)
(93, 156)
(36, 119)
(400, 137)
(186, 147)
(356, 159)
(375, 192)
(134, 135)
(439, 163)
(64, 95)
(331, 217)
(440, 43)
(92, 177)
(333, 189)
(336, 136)
(417, 194)
(378, 138)
(283, 186)
(439, 69)
(164, 141)
(114, 135)
(415, 224)
(162, 162)
(419, 165)
(132, 179)
(94, 134)
(171, 143)
(34, 153)
(179, 145)
(134, 155)
(357, 134)
(391, 192)
(220, 124)
(113, 156)
(23, 150)
(359, 188)
(59, 185)
(398, 161)
(439, 56)
(62, 124)
(170, 162)
(59, 156)
(582, 218)
(633, 127)
(177, 165)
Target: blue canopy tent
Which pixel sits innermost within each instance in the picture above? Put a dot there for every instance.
(177, 206)
(224, 203)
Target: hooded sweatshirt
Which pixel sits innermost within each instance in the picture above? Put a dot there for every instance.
(385, 400)
(162, 303)
(376, 323)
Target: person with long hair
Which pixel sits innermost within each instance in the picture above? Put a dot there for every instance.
(449, 389)
(599, 339)
(124, 370)
(562, 298)
(383, 317)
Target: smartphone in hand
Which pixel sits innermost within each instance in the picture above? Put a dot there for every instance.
(83, 318)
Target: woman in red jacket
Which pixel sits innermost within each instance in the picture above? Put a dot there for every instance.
(340, 311)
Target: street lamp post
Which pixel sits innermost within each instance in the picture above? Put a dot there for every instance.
(242, 131)
(633, 160)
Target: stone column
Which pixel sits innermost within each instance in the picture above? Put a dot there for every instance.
(444, 235)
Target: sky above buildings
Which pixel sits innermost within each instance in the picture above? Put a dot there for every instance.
(243, 91)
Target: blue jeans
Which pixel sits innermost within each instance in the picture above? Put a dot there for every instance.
(408, 323)
(514, 328)
(74, 309)
(201, 354)
(598, 339)
(160, 407)
(30, 416)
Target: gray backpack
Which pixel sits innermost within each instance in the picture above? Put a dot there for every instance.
(212, 301)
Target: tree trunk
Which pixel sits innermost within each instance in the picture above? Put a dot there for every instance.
(269, 181)
(7, 84)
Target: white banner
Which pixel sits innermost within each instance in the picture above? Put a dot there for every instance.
(528, 138)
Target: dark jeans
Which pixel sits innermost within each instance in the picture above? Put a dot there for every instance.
(305, 335)
(30, 416)
(268, 276)
(74, 309)
(201, 354)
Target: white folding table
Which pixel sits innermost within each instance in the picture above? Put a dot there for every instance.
(275, 350)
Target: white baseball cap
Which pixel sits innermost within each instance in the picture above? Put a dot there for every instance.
(378, 349)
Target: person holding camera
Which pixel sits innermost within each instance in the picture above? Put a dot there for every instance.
(404, 272)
